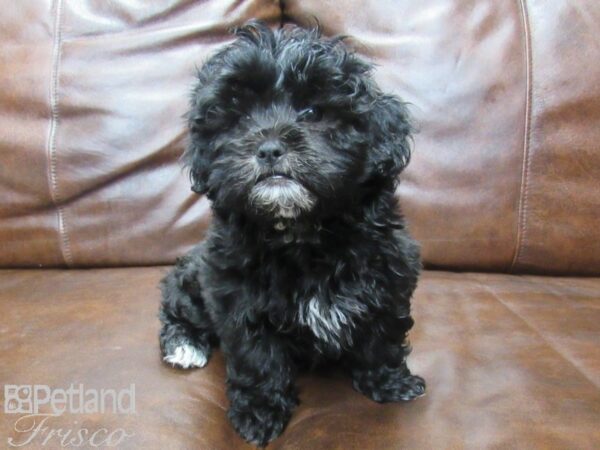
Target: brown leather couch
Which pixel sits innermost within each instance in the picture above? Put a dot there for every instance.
(503, 193)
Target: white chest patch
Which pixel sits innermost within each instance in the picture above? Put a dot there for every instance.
(331, 323)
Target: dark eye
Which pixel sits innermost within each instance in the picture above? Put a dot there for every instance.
(310, 114)
(196, 123)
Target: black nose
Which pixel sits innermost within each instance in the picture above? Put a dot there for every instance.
(270, 151)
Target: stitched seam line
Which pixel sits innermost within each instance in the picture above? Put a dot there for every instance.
(51, 147)
(524, 191)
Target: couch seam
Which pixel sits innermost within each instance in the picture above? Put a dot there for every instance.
(51, 145)
(546, 340)
(524, 187)
(281, 13)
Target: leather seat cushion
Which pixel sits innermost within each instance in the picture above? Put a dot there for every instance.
(510, 361)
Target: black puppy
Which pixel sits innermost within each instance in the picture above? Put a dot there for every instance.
(307, 258)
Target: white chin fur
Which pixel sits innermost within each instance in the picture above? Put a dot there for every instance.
(186, 356)
(282, 198)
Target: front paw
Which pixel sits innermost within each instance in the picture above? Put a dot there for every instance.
(386, 385)
(260, 423)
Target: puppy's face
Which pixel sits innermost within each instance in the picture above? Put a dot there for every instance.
(286, 125)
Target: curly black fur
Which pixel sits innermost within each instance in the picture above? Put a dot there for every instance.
(307, 259)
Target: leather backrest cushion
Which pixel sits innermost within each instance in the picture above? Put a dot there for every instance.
(506, 95)
(92, 98)
(506, 169)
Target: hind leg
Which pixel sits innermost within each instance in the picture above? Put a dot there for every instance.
(186, 336)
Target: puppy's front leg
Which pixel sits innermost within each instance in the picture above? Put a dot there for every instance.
(260, 381)
(378, 365)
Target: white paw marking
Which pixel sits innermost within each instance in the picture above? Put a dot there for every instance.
(186, 356)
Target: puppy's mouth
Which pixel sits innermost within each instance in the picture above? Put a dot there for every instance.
(280, 196)
(275, 178)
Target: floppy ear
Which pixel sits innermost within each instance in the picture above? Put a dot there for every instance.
(390, 134)
(197, 155)
(197, 161)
